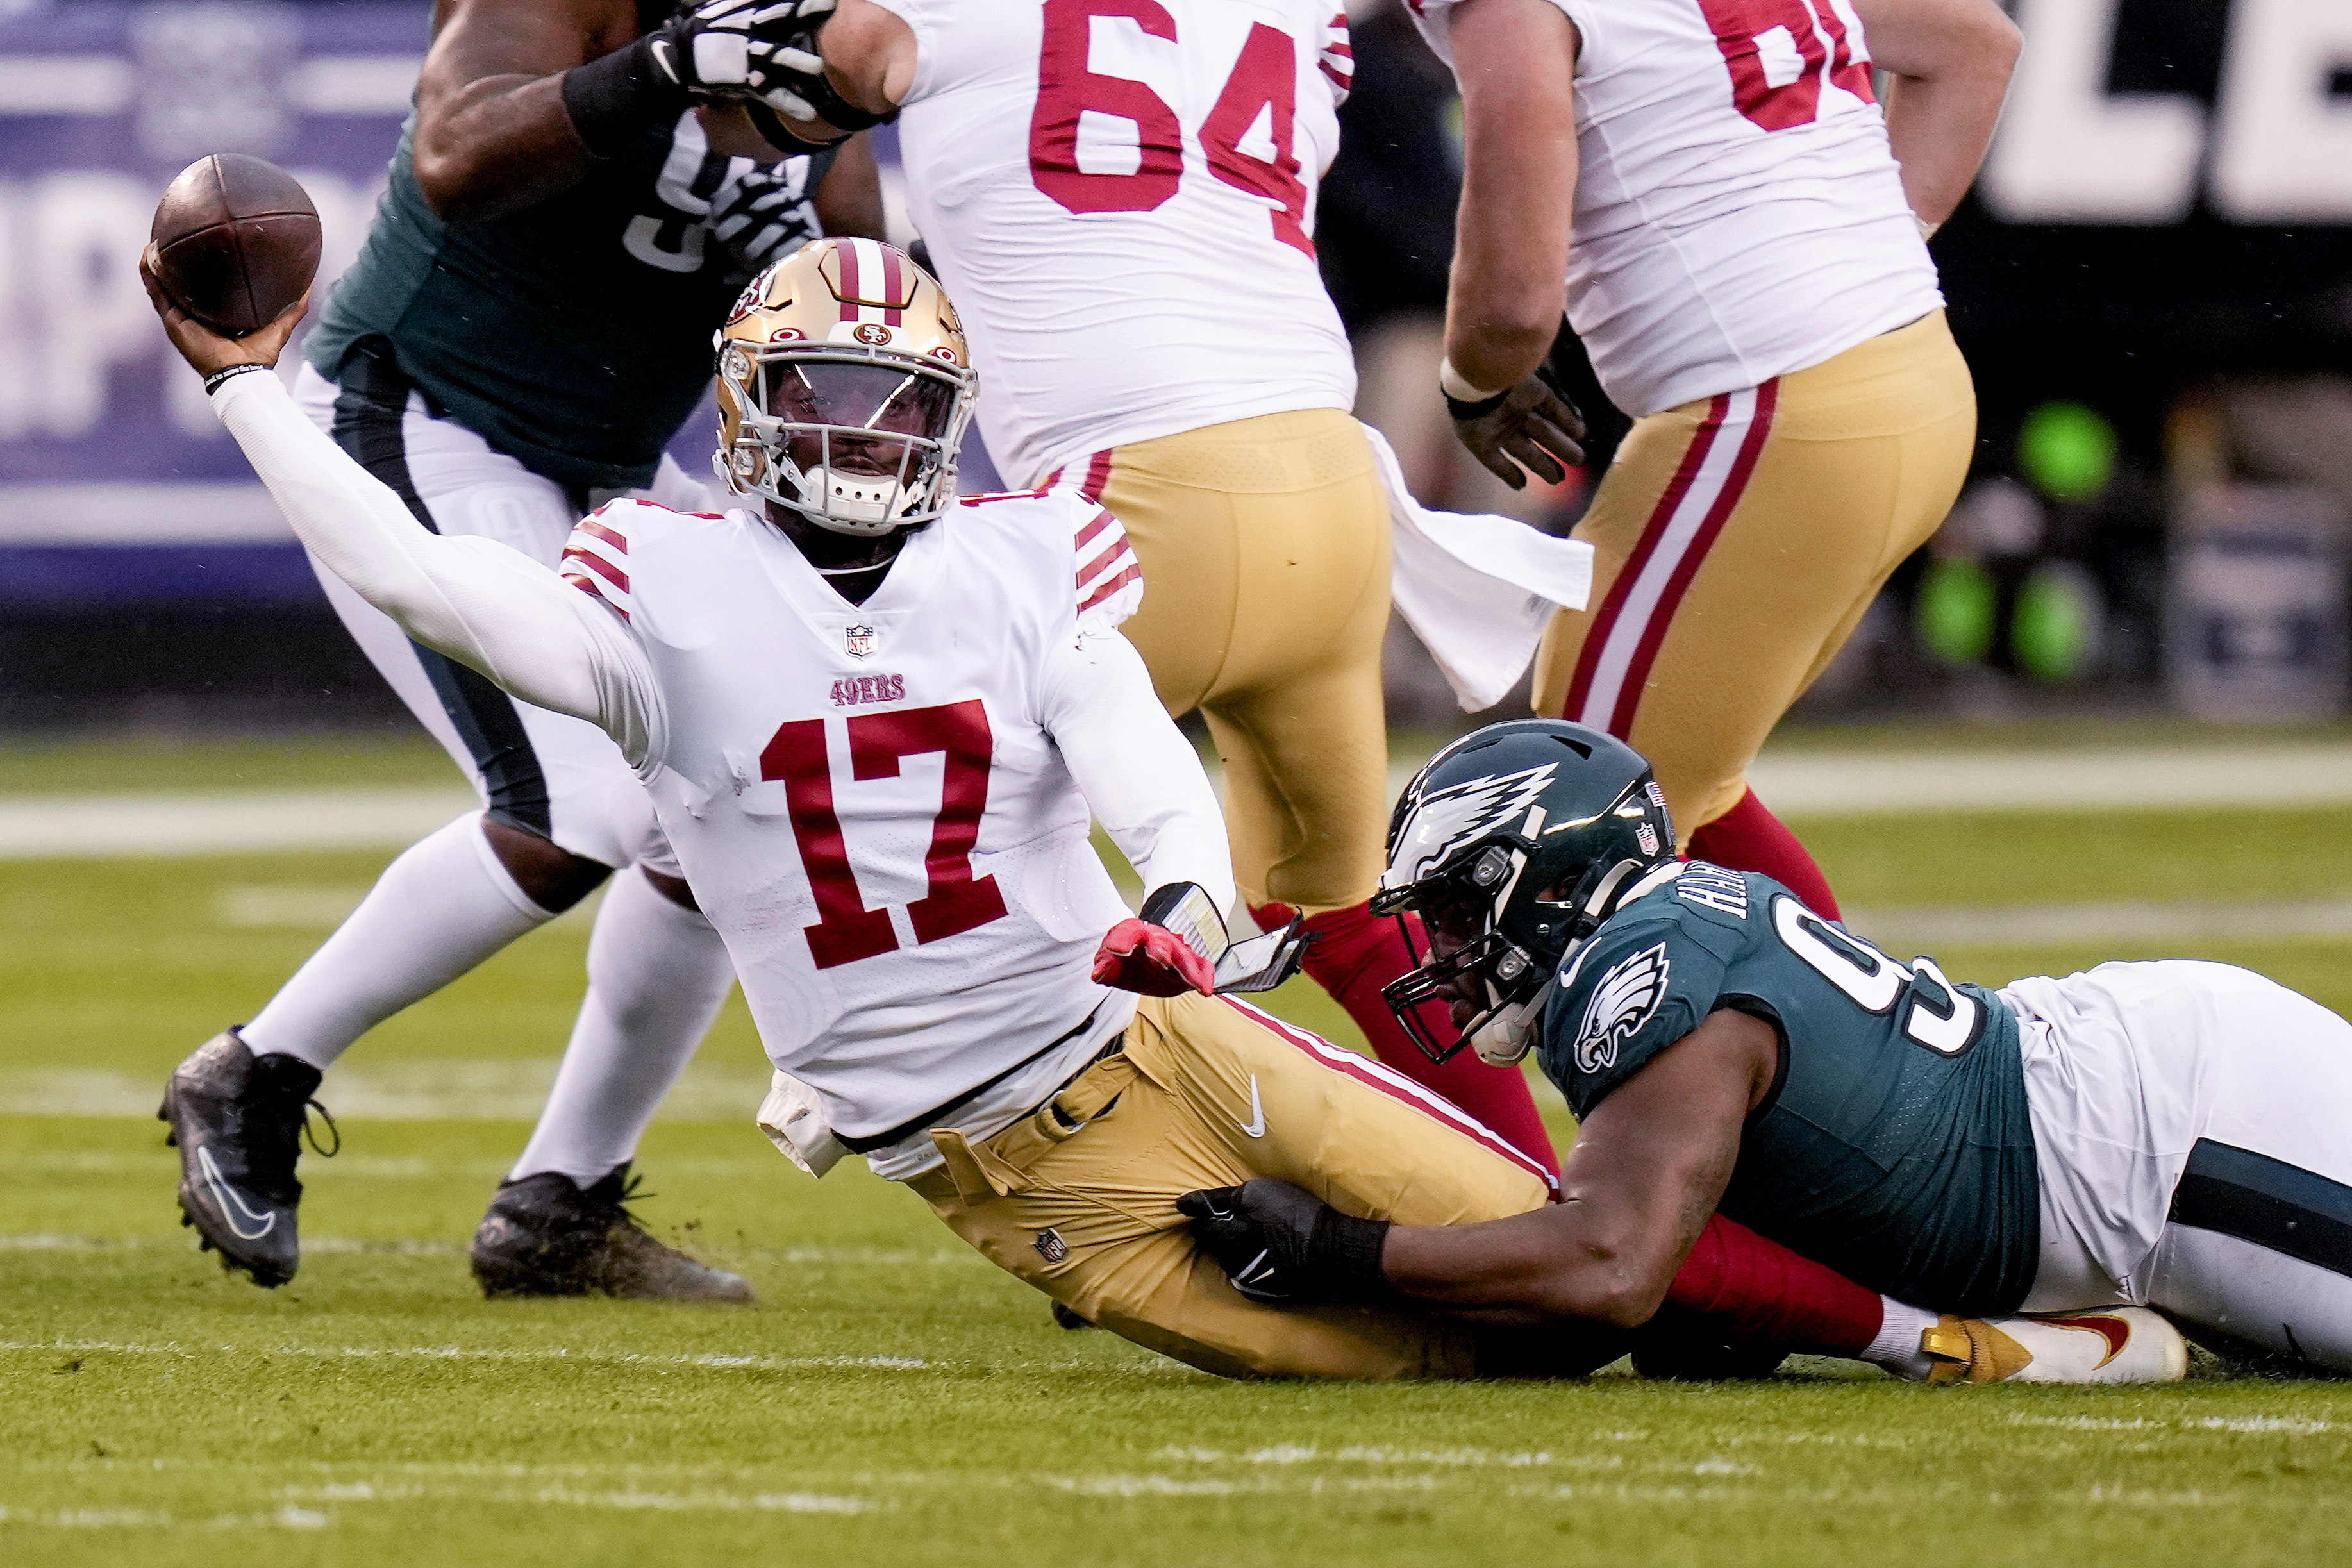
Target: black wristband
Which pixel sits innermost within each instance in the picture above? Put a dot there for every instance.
(227, 372)
(1344, 1255)
(615, 96)
(1478, 410)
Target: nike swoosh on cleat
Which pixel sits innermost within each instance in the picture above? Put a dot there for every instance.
(2114, 1331)
(1255, 1126)
(232, 1205)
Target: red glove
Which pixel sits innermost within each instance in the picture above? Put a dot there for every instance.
(1152, 960)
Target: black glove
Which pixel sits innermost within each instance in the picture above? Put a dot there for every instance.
(760, 53)
(1282, 1245)
(1533, 423)
(760, 214)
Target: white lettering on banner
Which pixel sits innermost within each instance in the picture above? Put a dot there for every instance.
(73, 312)
(2069, 152)
(2283, 153)
(16, 373)
(84, 307)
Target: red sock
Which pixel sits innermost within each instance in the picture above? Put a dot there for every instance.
(1750, 838)
(1761, 1292)
(1354, 954)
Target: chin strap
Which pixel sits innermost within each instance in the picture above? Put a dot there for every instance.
(1510, 1034)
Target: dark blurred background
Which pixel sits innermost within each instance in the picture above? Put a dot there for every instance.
(2152, 284)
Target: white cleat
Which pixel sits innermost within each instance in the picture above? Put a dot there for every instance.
(2116, 1344)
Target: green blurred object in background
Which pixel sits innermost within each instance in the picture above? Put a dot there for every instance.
(1954, 615)
(2053, 630)
(2068, 451)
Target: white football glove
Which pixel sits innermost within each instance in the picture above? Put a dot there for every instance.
(762, 49)
(760, 214)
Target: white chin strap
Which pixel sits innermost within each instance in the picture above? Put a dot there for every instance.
(1508, 1036)
(859, 504)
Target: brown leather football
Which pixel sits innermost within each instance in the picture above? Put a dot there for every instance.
(236, 241)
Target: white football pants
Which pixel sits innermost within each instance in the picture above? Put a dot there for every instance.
(547, 774)
(2194, 1128)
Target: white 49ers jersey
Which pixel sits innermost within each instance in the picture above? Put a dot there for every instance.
(880, 806)
(1119, 195)
(1739, 214)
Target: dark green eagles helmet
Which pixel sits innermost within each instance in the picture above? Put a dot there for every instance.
(1513, 845)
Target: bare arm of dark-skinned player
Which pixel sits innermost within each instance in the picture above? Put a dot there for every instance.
(1950, 62)
(492, 134)
(1647, 1168)
(492, 131)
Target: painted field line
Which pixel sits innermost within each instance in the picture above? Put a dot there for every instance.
(1930, 926)
(38, 826)
(491, 1089)
(1848, 784)
(1792, 783)
(460, 1353)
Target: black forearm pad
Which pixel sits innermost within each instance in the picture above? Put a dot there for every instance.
(613, 96)
(1343, 1256)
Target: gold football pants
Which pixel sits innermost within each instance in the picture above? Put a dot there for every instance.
(1264, 547)
(1079, 1199)
(1738, 540)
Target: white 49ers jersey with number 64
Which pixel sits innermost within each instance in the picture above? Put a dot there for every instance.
(874, 803)
(1738, 213)
(1119, 195)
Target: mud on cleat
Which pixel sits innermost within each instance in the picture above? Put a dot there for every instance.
(2116, 1344)
(239, 1121)
(547, 1236)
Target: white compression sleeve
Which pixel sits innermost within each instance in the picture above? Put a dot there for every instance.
(483, 604)
(1140, 774)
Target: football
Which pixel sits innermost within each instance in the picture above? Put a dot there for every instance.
(236, 241)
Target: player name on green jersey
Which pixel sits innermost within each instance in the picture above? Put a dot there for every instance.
(1895, 1146)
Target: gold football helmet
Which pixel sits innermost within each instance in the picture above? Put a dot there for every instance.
(844, 387)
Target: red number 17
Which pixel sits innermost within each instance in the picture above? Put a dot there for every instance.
(956, 901)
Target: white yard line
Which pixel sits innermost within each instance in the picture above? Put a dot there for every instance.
(1931, 927)
(40, 827)
(1794, 783)
(495, 1088)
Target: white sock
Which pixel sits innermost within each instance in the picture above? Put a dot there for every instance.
(441, 909)
(1896, 1348)
(657, 975)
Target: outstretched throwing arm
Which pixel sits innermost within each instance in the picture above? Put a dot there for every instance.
(482, 603)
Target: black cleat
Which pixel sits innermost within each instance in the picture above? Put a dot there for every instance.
(239, 1121)
(1068, 1317)
(547, 1236)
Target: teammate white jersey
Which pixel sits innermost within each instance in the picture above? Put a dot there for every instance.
(869, 800)
(1119, 196)
(1738, 213)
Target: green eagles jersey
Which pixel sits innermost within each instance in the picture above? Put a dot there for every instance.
(1895, 1145)
(574, 335)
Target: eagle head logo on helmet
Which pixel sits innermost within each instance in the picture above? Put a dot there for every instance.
(845, 389)
(1514, 844)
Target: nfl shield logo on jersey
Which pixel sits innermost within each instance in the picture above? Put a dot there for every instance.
(860, 641)
(1050, 1247)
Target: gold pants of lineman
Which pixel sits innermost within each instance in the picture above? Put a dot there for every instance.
(1079, 1199)
(1264, 547)
(1738, 540)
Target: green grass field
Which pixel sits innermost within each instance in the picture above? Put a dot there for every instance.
(893, 1398)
